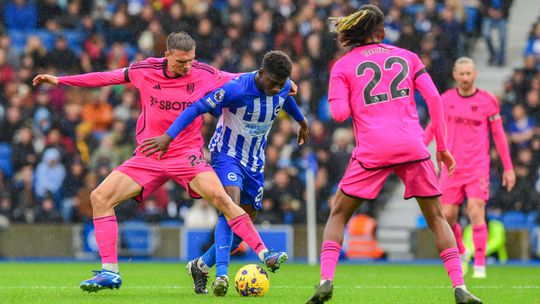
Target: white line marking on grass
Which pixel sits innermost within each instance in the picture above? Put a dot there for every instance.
(284, 286)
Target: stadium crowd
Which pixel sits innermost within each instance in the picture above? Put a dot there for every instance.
(58, 143)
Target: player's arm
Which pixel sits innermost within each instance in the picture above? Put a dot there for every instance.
(428, 134)
(96, 79)
(427, 88)
(292, 109)
(338, 96)
(212, 103)
(501, 144)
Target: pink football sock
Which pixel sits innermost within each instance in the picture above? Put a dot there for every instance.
(243, 227)
(106, 232)
(456, 228)
(480, 236)
(329, 259)
(452, 263)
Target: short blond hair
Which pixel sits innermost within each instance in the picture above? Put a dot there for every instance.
(463, 60)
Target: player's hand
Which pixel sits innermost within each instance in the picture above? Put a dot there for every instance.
(448, 160)
(303, 132)
(509, 179)
(44, 78)
(152, 145)
(294, 89)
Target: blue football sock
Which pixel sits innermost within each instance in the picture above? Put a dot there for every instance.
(223, 242)
(209, 257)
(235, 242)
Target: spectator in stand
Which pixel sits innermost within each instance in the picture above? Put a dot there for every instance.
(61, 57)
(47, 10)
(521, 128)
(496, 17)
(50, 174)
(24, 153)
(72, 183)
(533, 44)
(20, 15)
(98, 113)
(47, 211)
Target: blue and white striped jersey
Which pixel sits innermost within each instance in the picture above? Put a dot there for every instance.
(246, 118)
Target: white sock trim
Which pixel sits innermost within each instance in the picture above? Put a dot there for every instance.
(110, 266)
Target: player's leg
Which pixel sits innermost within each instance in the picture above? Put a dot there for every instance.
(453, 193)
(420, 182)
(451, 212)
(476, 210)
(208, 185)
(222, 247)
(445, 242)
(340, 214)
(357, 185)
(116, 188)
(137, 177)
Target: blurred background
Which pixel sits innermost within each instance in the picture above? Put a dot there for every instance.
(58, 143)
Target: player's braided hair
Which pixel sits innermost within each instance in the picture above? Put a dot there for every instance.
(357, 27)
(277, 63)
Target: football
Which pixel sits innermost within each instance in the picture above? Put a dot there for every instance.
(251, 281)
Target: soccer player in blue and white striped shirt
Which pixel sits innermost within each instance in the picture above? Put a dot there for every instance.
(247, 107)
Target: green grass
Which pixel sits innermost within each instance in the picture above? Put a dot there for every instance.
(168, 283)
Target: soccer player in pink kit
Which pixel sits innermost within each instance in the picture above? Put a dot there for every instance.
(469, 114)
(167, 87)
(374, 83)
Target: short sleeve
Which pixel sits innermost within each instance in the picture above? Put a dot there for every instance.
(339, 85)
(418, 66)
(494, 108)
(221, 97)
(133, 72)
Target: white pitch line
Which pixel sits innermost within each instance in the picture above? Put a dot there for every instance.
(286, 286)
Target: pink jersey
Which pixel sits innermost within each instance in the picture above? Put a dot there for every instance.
(375, 84)
(163, 96)
(468, 120)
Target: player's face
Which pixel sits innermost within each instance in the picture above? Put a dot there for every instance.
(465, 75)
(271, 83)
(179, 62)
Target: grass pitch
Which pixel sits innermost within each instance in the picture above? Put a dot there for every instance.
(169, 283)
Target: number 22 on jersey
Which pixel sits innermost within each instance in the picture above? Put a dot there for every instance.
(395, 93)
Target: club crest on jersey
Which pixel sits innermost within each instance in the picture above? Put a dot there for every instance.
(190, 87)
(232, 177)
(474, 108)
(277, 109)
(219, 94)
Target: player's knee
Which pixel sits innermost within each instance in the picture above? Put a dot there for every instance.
(450, 216)
(97, 199)
(220, 199)
(476, 215)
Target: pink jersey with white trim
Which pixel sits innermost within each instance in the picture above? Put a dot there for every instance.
(163, 97)
(378, 82)
(468, 121)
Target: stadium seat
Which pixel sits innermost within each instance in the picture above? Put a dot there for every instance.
(47, 38)
(360, 240)
(75, 41)
(6, 164)
(18, 40)
(514, 220)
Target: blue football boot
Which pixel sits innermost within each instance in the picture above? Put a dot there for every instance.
(103, 279)
(273, 260)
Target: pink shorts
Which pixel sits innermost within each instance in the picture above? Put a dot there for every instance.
(458, 186)
(151, 173)
(419, 178)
